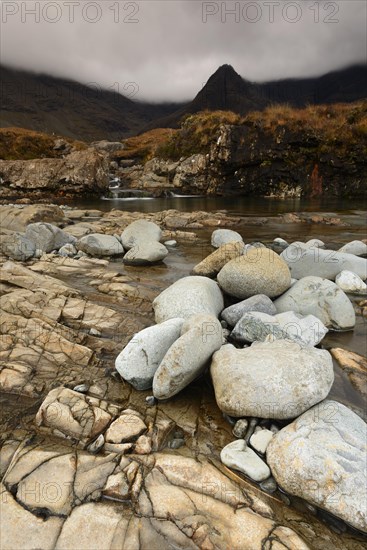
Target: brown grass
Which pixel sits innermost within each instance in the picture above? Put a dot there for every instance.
(23, 144)
(144, 146)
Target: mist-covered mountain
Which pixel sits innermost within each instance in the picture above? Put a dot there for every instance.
(64, 107)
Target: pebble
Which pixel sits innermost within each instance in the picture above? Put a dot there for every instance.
(260, 440)
(97, 445)
(150, 400)
(240, 428)
(81, 388)
(269, 485)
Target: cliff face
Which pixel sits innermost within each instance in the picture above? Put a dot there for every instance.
(247, 159)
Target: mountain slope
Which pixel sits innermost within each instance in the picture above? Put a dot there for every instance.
(52, 105)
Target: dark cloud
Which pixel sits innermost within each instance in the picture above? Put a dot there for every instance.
(169, 48)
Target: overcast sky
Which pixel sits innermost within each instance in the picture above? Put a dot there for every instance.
(166, 50)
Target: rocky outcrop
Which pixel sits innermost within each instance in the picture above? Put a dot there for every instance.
(81, 173)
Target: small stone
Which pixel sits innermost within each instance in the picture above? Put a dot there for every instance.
(260, 440)
(95, 332)
(269, 485)
(97, 445)
(350, 282)
(125, 429)
(143, 445)
(240, 457)
(176, 443)
(172, 242)
(150, 400)
(81, 388)
(117, 487)
(240, 428)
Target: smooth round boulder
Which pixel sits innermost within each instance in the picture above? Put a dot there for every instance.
(259, 271)
(139, 360)
(278, 379)
(358, 248)
(187, 358)
(98, 244)
(303, 262)
(319, 297)
(188, 296)
(225, 236)
(322, 458)
(139, 232)
(145, 253)
(350, 282)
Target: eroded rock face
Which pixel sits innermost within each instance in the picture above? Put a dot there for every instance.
(79, 173)
(188, 296)
(173, 502)
(139, 360)
(319, 297)
(259, 271)
(321, 457)
(277, 379)
(74, 415)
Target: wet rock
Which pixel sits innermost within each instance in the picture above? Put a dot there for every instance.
(225, 236)
(350, 282)
(327, 264)
(139, 360)
(139, 232)
(239, 456)
(259, 271)
(329, 443)
(355, 366)
(100, 245)
(188, 296)
(259, 302)
(47, 237)
(260, 440)
(16, 246)
(212, 264)
(125, 428)
(72, 414)
(269, 485)
(321, 298)
(358, 248)
(145, 253)
(240, 428)
(180, 366)
(277, 379)
(257, 326)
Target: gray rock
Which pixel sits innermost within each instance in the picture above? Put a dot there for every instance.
(139, 360)
(260, 302)
(304, 261)
(350, 282)
(240, 428)
(256, 326)
(145, 253)
(329, 443)
(188, 296)
(140, 231)
(172, 242)
(259, 271)
(187, 358)
(239, 456)
(358, 248)
(98, 244)
(225, 236)
(16, 246)
(68, 251)
(277, 379)
(48, 237)
(281, 242)
(261, 439)
(321, 298)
